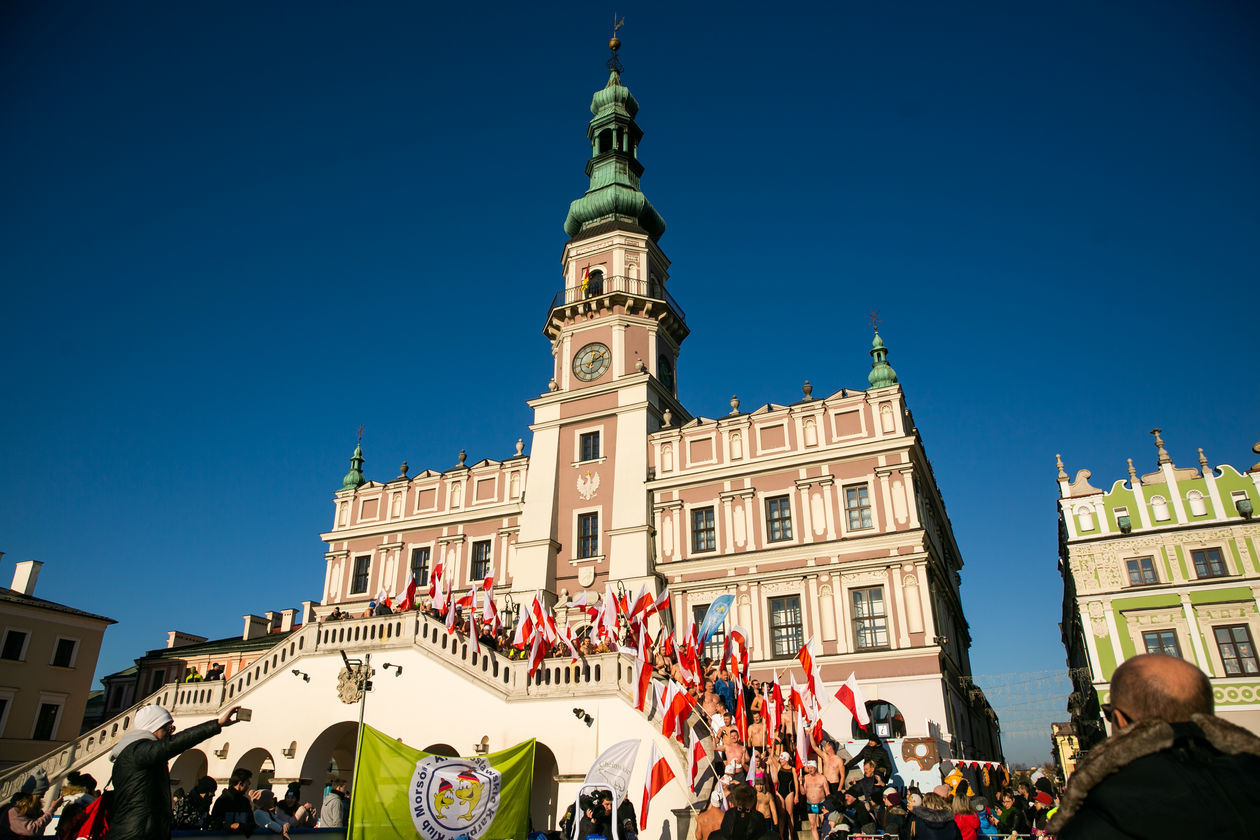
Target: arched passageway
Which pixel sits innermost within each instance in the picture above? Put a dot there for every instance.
(259, 762)
(546, 788)
(188, 768)
(330, 754)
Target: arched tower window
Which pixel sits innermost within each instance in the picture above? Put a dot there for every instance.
(886, 721)
(593, 285)
(665, 373)
(604, 142)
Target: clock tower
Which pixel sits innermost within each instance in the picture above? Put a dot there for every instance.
(615, 333)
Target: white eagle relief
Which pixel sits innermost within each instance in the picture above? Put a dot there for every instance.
(588, 485)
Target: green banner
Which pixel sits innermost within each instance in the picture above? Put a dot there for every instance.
(405, 793)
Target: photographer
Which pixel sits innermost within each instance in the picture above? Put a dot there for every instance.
(142, 780)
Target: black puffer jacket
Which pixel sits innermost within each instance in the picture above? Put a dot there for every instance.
(142, 782)
(1158, 780)
(932, 824)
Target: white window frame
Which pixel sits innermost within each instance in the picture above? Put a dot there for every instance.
(844, 507)
(472, 558)
(574, 559)
(58, 700)
(26, 645)
(793, 522)
(689, 511)
(437, 499)
(577, 445)
(411, 547)
(8, 695)
(74, 655)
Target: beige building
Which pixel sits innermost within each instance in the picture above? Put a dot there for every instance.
(48, 655)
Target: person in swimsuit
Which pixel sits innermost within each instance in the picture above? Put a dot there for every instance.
(784, 777)
(814, 790)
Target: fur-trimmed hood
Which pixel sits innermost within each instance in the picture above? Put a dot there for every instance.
(1142, 739)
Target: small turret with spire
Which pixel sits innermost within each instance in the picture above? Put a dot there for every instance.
(354, 479)
(882, 375)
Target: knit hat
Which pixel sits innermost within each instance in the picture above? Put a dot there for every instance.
(152, 718)
(892, 796)
(36, 783)
(943, 791)
(1044, 798)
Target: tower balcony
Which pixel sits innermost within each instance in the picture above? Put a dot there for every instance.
(644, 296)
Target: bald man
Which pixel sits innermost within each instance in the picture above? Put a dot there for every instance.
(1170, 768)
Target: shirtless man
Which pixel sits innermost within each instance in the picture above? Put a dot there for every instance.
(814, 789)
(832, 766)
(736, 754)
(766, 803)
(712, 704)
(757, 734)
(710, 819)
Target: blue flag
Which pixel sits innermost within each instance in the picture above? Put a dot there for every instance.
(714, 618)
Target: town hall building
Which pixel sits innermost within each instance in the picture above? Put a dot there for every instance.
(821, 516)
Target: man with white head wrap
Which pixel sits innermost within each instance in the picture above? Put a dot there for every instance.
(142, 780)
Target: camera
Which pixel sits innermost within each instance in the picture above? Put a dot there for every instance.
(244, 714)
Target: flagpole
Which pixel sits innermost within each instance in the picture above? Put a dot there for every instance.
(358, 742)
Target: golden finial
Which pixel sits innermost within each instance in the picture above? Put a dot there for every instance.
(614, 43)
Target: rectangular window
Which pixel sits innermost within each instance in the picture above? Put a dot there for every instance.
(778, 519)
(63, 657)
(1208, 562)
(870, 626)
(588, 444)
(1238, 652)
(716, 643)
(786, 637)
(362, 568)
(420, 565)
(703, 532)
(14, 643)
(588, 535)
(46, 722)
(1141, 571)
(157, 681)
(480, 560)
(1162, 641)
(857, 503)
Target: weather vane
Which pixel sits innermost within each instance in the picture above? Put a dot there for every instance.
(360, 440)
(614, 44)
(875, 320)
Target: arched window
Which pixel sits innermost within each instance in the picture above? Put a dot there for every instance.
(1197, 506)
(665, 372)
(593, 284)
(886, 721)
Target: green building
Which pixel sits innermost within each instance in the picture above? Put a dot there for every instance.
(1167, 562)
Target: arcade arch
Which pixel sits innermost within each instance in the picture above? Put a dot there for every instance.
(188, 768)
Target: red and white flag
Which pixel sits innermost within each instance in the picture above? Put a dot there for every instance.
(741, 710)
(537, 653)
(434, 579)
(802, 743)
(641, 603)
(409, 596)
(850, 696)
(738, 636)
(659, 774)
(642, 673)
(695, 754)
(661, 604)
(490, 610)
(437, 591)
(810, 662)
(450, 617)
(382, 597)
(608, 621)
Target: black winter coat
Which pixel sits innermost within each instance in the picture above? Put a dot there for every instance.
(875, 753)
(142, 784)
(1159, 780)
(931, 824)
(744, 825)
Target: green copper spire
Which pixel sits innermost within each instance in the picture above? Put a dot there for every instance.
(354, 479)
(614, 167)
(882, 375)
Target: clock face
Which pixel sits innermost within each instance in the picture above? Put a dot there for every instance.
(591, 361)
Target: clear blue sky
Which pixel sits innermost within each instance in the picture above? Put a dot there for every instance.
(233, 232)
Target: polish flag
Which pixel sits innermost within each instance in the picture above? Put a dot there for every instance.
(802, 743)
(641, 603)
(524, 632)
(677, 706)
(795, 697)
(567, 638)
(695, 754)
(810, 663)
(490, 610)
(741, 713)
(737, 636)
(472, 633)
(437, 591)
(608, 622)
(409, 597)
(469, 600)
(434, 579)
(537, 653)
(752, 767)
(776, 694)
(642, 673)
(659, 774)
(450, 618)
(661, 604)
(850, 696)
(382, 597)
